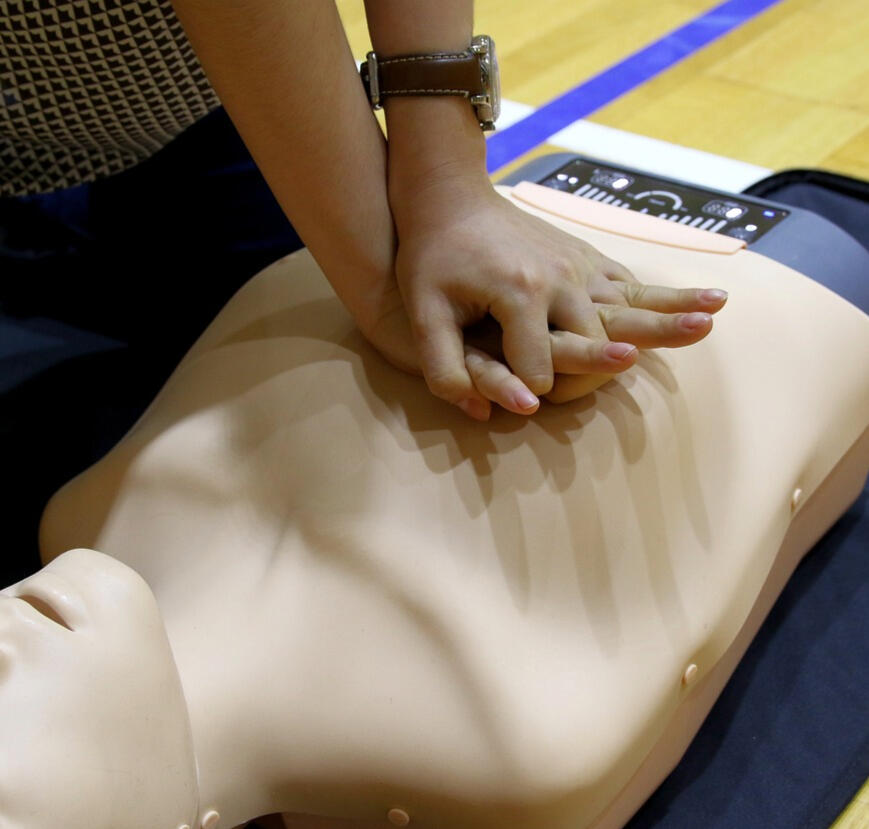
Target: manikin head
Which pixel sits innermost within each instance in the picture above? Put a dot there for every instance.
(94, 727)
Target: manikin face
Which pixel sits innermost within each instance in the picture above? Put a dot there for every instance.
(94, 729)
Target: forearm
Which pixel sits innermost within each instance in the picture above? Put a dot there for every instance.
(417, 26)
(284, 72)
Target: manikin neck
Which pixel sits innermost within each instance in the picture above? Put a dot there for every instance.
(232, 779)
(217, 654)
(218, 620)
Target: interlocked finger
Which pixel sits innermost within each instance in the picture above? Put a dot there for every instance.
(493, 379)
(617, 272)
(440, 341)
(672, 300)
(651, 329)
(577, 314)
(573, 354)
(526, 344)
(569, 387)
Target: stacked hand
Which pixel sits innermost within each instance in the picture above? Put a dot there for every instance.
(571, 317)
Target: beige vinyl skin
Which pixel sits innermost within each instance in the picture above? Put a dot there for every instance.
(380, 609)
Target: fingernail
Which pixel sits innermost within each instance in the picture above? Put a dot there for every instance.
(525, 400)
(713, 295)
(694, 320)
(619, 351)
(474, 408)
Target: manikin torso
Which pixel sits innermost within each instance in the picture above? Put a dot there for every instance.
(375, 603)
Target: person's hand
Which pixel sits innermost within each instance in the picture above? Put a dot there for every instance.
(464, 253)
(388, 329)
(483, 360)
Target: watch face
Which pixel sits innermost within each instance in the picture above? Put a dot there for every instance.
(489, 109)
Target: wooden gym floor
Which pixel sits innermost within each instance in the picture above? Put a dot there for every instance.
(788, 88)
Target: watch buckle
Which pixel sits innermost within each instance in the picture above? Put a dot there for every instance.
(373, 80)
(483, 107)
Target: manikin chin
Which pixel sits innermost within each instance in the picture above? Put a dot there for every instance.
(321, 592)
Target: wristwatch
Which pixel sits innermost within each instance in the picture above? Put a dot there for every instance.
(472, 74)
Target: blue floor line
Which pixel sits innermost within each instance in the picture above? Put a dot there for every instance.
(508, 144)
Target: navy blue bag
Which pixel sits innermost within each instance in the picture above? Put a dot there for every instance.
(787, 744)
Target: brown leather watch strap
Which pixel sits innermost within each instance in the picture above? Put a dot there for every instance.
(471, 74)
(436, 74)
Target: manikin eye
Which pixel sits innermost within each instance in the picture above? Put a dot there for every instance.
(45, 609)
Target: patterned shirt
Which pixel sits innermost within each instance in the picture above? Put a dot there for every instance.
(91, 87)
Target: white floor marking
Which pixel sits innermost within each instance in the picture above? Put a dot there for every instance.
(644, 153)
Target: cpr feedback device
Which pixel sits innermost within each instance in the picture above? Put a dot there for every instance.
(793, 236)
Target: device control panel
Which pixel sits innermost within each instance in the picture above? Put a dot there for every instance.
(690, 205)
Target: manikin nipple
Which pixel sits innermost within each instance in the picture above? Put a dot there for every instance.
(210, 819)
(398, 817)
(690, 675)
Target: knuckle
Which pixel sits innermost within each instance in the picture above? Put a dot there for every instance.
(448, 385)
(617, 269)
(636, 293)
(475, 360)
(539, 384)
(422, 318)
(492, 370)
(606, 314)
(527, 283)
(597, 261)
(483, 371)
(564, 269)
(608, 294)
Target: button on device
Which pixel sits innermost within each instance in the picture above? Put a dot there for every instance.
(741, 233)
(612, 179)
(559, 183)
(725, 209)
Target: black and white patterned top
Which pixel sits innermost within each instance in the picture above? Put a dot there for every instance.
(91, 87)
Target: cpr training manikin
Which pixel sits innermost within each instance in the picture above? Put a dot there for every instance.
(320, 591)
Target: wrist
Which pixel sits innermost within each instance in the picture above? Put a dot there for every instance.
(433, 144)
